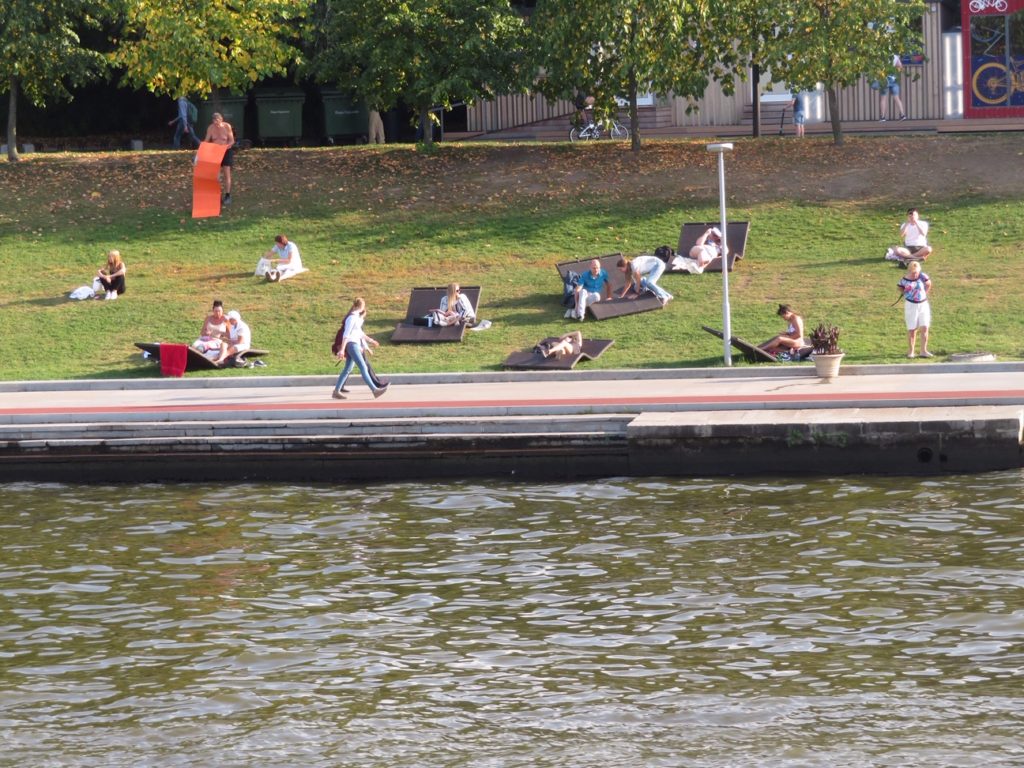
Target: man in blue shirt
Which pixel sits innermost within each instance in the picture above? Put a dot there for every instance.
(183, 124)
(592, 283)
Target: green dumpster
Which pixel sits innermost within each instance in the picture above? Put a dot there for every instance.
(343, 116)
(231, 107)
(280, 114)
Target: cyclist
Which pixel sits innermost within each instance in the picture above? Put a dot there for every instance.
(584, 109)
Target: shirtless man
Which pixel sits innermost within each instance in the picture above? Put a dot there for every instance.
(221, 132)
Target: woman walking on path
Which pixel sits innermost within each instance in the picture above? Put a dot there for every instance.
(350, 348)
(915, 286)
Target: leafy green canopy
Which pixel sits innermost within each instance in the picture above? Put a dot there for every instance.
(178, 47)
(42, 54)
(422, 52)
(836, 42)
(620, 48)
(41, 47)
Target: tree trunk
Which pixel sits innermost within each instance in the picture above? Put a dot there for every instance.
(833, 109)
(634, 116)
(755, 83)
(12, 121)
(428, 127)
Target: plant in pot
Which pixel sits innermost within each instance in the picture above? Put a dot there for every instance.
(827, 354)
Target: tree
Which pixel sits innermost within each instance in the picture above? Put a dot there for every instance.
(43, 54)
(425, 53)
(755, 26)
(615, 48)
(181, 47)
(836, 42)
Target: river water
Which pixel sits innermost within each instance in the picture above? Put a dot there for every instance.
(853, 622)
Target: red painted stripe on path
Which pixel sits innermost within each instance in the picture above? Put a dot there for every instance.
(909, 398)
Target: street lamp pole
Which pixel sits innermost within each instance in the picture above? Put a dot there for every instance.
(720, 150)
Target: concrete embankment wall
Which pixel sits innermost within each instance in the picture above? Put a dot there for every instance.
(288, 430)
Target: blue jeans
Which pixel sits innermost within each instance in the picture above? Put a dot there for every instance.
(353, 357)
(179, 129)
(650, 282)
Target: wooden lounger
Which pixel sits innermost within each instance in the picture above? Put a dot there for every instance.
(616, 307)
(751, 352)
(421, 301)
(592, 349)
(197, 361)
(736, 235)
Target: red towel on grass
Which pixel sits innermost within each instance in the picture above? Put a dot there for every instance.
(173, 359)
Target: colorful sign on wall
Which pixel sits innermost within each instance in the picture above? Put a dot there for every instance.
(993, 34)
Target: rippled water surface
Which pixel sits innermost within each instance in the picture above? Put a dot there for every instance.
(617, 623)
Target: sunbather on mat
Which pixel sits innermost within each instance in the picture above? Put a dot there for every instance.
(239, 337)
(567, 344)
(789, 340)
(457, 307)
(707, 248)
(215, 330)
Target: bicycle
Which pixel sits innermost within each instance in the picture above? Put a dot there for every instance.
(596, 131)
(977, 6)
(994, 84)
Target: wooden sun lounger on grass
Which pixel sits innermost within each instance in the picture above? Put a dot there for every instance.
(616, 307)
(421, 301)
(751, 352)
(736, 235)
(197, 361)
(530, 360)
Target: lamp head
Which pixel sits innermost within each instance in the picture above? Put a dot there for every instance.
(719, 148)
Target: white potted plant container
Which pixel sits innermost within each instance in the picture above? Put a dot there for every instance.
(827, 354)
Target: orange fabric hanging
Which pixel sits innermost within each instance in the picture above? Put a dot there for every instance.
(205, 184)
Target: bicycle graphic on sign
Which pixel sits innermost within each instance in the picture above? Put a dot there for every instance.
(978, 6)
(995, 83)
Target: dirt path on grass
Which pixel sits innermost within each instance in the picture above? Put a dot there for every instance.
(896, 169)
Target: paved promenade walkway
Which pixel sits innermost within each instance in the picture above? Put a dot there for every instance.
(770, 419)
(744, 388)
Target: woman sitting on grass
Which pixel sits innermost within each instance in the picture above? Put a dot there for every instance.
(792, 339)
(111, 277)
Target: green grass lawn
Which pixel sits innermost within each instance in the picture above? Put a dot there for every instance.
(378, 221)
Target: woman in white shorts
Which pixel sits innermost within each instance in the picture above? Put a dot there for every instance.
(915, 286)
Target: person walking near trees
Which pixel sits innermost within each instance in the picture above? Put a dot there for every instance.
(183, 123)
(221, 132)
(376, 128)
